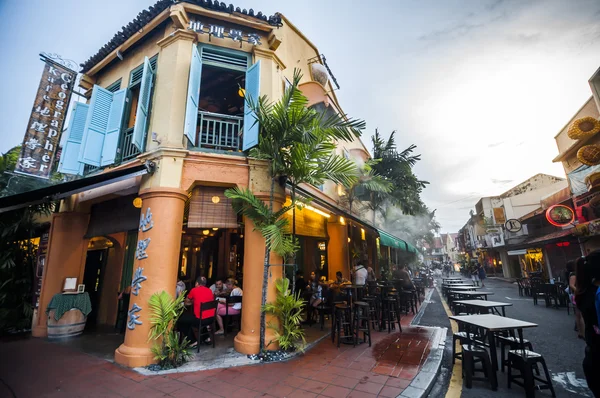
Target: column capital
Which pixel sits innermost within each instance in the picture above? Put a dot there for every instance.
(179, 34)
(270, 54)
(164, 192)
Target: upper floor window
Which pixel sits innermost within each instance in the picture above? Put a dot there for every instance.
(112, 127)
(217, 116)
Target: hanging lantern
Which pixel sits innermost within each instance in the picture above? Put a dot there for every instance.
(583, 128)
(589, 155)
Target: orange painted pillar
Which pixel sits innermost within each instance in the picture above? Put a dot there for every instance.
(65, 259)
(337, 249)
(247, 341)
(159, 241)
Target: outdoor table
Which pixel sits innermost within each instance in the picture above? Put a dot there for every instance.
(445, 286)
(351, 291)
(473, 294)
(485, 305)
(465, 288)
(493, 324)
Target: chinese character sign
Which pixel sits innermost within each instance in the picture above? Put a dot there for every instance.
(46, 121)
(222, 33)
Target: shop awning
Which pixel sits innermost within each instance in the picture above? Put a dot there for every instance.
(536, 241)
(66, 189)
(389, 240)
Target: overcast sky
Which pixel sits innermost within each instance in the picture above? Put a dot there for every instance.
(480, 86)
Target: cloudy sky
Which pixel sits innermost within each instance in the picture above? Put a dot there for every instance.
(480, 86)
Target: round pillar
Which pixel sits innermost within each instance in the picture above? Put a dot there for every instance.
(247, 340)
(157, 255)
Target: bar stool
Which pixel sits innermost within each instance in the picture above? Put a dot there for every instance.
(362, 322)
(390, 313)
(513, 344)
(373, 310)
(472, 355)
(524, 361)
(343, 323)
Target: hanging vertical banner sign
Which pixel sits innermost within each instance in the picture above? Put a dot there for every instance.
(46, 121)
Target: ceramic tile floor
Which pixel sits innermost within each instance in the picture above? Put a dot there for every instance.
(383, 370)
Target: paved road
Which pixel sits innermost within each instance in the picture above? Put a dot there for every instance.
(554, 338)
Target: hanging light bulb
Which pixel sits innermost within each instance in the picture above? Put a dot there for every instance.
(205, 232)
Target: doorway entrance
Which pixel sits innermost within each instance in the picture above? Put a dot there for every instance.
(93, 275)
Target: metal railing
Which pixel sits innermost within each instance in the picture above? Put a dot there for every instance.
(127, 150)
(222, 132)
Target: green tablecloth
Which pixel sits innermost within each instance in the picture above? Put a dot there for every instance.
(62, 303)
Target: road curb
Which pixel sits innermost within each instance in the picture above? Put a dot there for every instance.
(423, 382)
(425, 379)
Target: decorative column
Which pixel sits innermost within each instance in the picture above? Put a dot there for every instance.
(337, 250)
(247, 340)
(65, 259)
(154, 268)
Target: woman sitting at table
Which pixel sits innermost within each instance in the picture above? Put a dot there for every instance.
(234, 309)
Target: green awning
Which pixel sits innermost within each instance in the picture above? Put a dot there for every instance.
(389, 240)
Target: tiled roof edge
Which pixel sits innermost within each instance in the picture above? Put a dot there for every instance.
(148, 15)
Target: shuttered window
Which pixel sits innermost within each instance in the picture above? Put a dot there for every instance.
(224, 58)
(209, 208)
(135, 76)
(114, 87)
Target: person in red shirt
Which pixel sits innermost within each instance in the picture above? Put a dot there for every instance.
(189, 320)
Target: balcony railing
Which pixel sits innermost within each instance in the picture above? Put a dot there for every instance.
(221, 132)
(125, 152)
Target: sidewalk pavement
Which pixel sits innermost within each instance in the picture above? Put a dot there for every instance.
(395, 364)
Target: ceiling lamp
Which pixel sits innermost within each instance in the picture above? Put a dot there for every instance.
(215, 199)
(215, 229)
(206, 232)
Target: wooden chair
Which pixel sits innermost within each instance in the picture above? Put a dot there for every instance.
(209, 323)
(229, 319)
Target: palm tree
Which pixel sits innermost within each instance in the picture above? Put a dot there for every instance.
(299, 143)
(397, 167)
(368, 183)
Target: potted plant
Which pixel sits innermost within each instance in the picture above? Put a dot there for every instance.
(287, 308)
(169, 350)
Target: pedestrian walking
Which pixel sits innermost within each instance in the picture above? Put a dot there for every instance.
(474, 275)
(587, 297)
(571, 280)
(481, 274)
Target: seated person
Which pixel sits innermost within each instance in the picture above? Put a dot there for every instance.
(300, 282)
(339, 279)
(187, 321)
(219, 289)
(234, 309)
(407, 282)
(371, 275)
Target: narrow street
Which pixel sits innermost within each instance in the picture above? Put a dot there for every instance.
(554, 338)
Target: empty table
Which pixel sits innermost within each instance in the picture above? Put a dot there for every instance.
(485, 305)
(493, 324)
(472, 295)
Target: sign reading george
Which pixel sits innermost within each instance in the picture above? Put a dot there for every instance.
(221, 33)
(46, 121)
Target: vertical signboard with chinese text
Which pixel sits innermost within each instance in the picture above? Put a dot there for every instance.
(46, 121)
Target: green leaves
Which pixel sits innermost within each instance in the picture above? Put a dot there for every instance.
(287, 308)
(170, 350)
(270, 224)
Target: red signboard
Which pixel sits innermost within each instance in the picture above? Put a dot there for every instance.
(560, 215)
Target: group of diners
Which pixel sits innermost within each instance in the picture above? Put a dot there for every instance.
(193, 318)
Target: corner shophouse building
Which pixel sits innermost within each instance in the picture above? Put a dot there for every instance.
(165, 122)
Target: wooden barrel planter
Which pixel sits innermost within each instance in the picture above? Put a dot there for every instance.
(71, 324)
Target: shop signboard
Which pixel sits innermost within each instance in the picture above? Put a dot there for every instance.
(560, 215)
(220, 32)
(46, 121)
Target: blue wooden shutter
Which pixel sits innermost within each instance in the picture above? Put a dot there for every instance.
(141, 116)
(113, 128)
(250, 138)
(95, 127)
(69, 157)
(193, 95)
